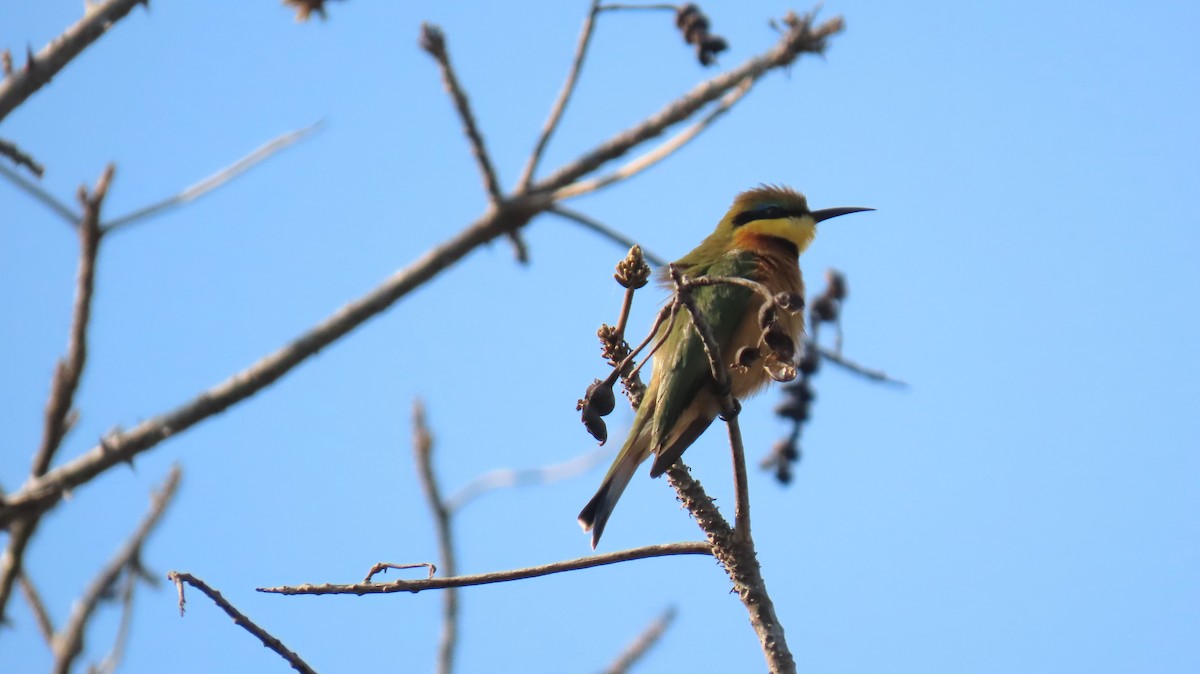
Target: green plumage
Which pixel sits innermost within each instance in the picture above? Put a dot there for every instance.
(760, 238)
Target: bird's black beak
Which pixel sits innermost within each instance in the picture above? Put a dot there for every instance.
(827, 213)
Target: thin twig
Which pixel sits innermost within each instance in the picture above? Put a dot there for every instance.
(21, 158)
(842, 361)
(63, 385)
(70, 368)
(740, 560)
(605, 231)
(507, 477)
(40, 615)
(664, 550)
(433, 41)
(800, 38)
(68, 643)
(109, 662)
(666, 149)
(622, 7)
(560, 103)
(239, 619)
(212, 182)
(36, 191)
(644, 642)
(97, 19)
(423, 451)
(384, 566)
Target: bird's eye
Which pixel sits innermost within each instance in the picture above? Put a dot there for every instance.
(771, 213)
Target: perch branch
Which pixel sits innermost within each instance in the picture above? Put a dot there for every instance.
(740, 560)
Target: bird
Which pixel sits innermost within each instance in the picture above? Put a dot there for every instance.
(761, 239)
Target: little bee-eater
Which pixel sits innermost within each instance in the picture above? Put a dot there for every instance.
(760, 238)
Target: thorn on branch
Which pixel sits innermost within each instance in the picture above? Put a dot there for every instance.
(6, 62)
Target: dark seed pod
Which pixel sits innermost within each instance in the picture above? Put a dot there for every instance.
(746, 356)
(600, 397)
(795, 409)
(825, 309)
(810, 360)
(793, 302)
(595, 425)
(780, 343)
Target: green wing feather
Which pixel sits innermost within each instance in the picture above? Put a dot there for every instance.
(687, 370)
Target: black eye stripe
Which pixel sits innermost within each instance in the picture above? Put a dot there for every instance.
(763, 213)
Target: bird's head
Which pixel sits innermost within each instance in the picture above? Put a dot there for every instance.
(773, 213)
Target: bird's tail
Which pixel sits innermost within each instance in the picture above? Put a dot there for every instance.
(595, 514)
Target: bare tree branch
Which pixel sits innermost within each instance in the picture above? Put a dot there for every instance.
(38, 607)
(644, 642)
(664, 550)
(216, 180)
(121, 446)
(800, 38)
(560, 103)
(97, 19)
(433, 41)
(65, 381)
(109, 662)
(423, 451)
(239, 619)
(740, 560)
(21, 158)
(68, 643)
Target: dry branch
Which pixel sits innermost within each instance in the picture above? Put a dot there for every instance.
(664, 550)
(40, 68)
(740, 560)
(423, 451)
(239, 619)
(67, 373)
(68, 643)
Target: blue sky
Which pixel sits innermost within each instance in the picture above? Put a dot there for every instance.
(1030, 503)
